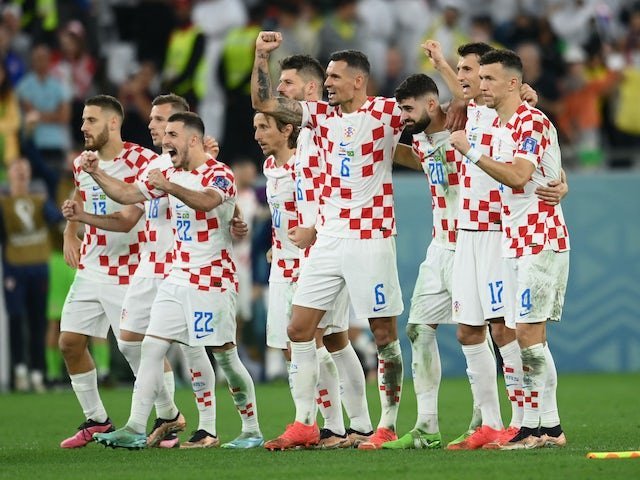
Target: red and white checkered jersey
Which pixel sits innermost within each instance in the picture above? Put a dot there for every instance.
(530, 225)
(357, 148)
(156, 253)
(281, 197)
(308, 172)
(110, 257)
(480, 203)
(202, 251)
(441, 163)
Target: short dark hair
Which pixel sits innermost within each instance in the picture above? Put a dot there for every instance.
(305, 65)
(190, 120)
(178, 103)
(475, 48)
(415, 86)
(507, 58)
(353, 58)
(106, 102)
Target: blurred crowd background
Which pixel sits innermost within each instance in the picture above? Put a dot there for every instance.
(581, 56)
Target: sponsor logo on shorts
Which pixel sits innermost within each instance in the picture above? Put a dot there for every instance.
(202, 335)
(495, 309)
(377, 309)
(456, 307)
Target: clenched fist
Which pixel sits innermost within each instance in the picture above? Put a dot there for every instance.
(90, 161)
(268, 42)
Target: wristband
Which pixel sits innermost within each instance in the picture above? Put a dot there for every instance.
(474, 155)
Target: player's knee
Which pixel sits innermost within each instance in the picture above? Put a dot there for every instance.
(336, 341)
(71, 345)
(300, 333)
(412, 332)
(501, 334)
(468, 335)
(383, 332)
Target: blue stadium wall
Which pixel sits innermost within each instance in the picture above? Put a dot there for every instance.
(600, 328)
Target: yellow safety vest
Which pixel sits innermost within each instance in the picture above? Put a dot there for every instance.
(179, 52)
(237, 55)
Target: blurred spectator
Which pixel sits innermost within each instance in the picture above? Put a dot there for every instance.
(26, 273)
(580, 116)
(245, 172)
(412, 19)
(9, 124)
(228, 14)
(572, 20)
(550, 47)
(300, 26)
(136, 95)
(46, 107)
(341, 30)
(76, 68)
(236, 64)
(378, 27)
(627, 115)
(39, 18)
(447, 30)
(12, 62)
(481, 31)
(60, 279)
(20, 41)
(542, 80)
(394, 72)
(522, 28)
(184, 66)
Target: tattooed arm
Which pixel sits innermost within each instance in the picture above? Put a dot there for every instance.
(262, 99)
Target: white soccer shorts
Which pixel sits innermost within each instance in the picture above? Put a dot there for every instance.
(91, 308)
(337, 319)
(193, 317)
(431, 300)
(367, 267)
(136, 307)
(477, 285)
(535, 286)
(279, 313)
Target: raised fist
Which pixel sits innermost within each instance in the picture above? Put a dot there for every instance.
(268, 41)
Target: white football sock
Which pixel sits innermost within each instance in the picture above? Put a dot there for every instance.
(534, 366)
(476, 413)
(512, 369)
(549, 416)
(389, 383)
(427, 373)
(85, 386)
(303, 376)
(149, 386)
(241, 386)
(203, 383)
(328, 389)
(131, 352)
(481, 369)
(353, 388)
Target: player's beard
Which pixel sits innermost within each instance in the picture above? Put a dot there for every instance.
(419, 126)
(98, 141)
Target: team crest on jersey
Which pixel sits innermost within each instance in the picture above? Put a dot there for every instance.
(529, 145)
(349, 132)
(221, 182)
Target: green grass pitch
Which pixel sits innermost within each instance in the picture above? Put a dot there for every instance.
(599, 413)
